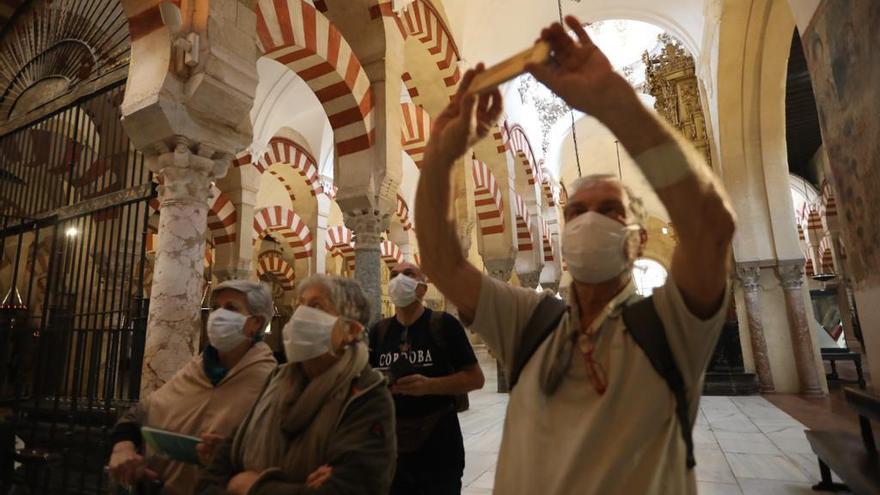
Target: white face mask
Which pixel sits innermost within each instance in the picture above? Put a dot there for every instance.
(594, 247)
(226, 329)
(402, 290)
(307, 334)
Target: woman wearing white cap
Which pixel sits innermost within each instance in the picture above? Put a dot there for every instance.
(209, 396)
(325, 419)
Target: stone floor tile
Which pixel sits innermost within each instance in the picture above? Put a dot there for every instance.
(765, 467)
(746, 443)
(712, 466)
(768, 487)
(711, 488)
(734, 424)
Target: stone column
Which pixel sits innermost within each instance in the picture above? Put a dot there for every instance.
(367, 227)
(175, 296)
(529, 279)
(791, 275)
(749, 276)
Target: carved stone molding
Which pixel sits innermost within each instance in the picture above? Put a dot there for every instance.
(367, 226)
(529, 279)
(749, 275)
(500, 269)
(187, 174)
(791, 274)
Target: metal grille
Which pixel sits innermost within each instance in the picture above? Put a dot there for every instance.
(74, 217)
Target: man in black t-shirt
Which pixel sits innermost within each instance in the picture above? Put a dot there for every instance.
(429, 361)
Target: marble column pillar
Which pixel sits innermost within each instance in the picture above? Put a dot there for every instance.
(749, 276)
(367, 227)
(791, 275)
(175, 296)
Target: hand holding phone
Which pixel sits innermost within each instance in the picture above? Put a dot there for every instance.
(506, 70)
(399, 369)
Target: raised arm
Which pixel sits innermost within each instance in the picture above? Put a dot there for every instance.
(693, 196)
(466, 120)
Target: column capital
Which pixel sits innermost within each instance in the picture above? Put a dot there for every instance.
(367, 226)
(791, 274)
(500, 269)
(749, 275)
(187, 170)
(529, 279)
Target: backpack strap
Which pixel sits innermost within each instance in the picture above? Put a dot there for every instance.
(435, 326)
(646, 328)
(541, 324)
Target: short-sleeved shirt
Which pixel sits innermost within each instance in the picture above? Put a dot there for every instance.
(625, 441)
(428, 358)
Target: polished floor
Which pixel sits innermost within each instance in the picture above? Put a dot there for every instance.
(744, 445)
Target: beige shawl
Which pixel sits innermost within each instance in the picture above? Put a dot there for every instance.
(191, 405)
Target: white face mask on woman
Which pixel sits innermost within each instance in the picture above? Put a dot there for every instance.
(307, 334)
(226, 329)
(402, 290)
(594, 247)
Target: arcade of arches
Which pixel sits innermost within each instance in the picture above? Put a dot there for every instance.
(150, 150)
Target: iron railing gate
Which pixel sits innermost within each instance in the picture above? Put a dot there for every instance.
(74, 227)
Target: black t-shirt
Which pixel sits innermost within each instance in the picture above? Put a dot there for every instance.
(428, 358)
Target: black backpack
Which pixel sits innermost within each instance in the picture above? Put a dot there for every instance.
(435, 325)
(644, 325)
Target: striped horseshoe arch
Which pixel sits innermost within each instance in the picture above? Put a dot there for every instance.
(403, 213)
(523, 225)
(487, 199)
(415, 131)
(522, 150)
(287, 225)
(272, 264)
(545, 236)
(285, 151)
(391, 254)
(295, 34)
(340, 242)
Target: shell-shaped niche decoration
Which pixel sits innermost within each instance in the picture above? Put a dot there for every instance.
(51, 46)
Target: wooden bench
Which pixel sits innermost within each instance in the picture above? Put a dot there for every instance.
(853, 458)
(833, 355)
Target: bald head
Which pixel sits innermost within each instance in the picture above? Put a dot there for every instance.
(409, 269)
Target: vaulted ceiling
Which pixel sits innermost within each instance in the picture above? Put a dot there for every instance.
(7, 11)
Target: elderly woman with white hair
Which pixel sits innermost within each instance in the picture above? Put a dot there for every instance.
(208, 397)
(325, 421)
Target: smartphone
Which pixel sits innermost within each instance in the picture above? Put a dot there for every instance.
(506, 70)
(399, 369)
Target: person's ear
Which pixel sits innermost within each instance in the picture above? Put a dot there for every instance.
(421, 290)
(253, 325)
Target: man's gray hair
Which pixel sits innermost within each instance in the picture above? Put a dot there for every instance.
(635, 205)
(345, 294)
(258, 298)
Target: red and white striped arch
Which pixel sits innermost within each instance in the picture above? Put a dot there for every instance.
(808, 268)
(285, 151)
(410, 85)
(814, 225)
(391, 254)
(827, 259)
(487, 199)
(523, 225)
(522, 150)
(280, 221)
(272, 264)
(829, 206)
(422, 22)
(222, 217)
(546, 186)
(415, 131)
(295, 34)
(403, 213)
(545, 236)
(340, 242)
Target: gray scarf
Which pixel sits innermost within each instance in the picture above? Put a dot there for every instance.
(291, 423)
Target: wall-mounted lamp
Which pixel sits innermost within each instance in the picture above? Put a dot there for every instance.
(71, 231)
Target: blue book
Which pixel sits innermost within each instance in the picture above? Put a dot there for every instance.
(171, 445)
